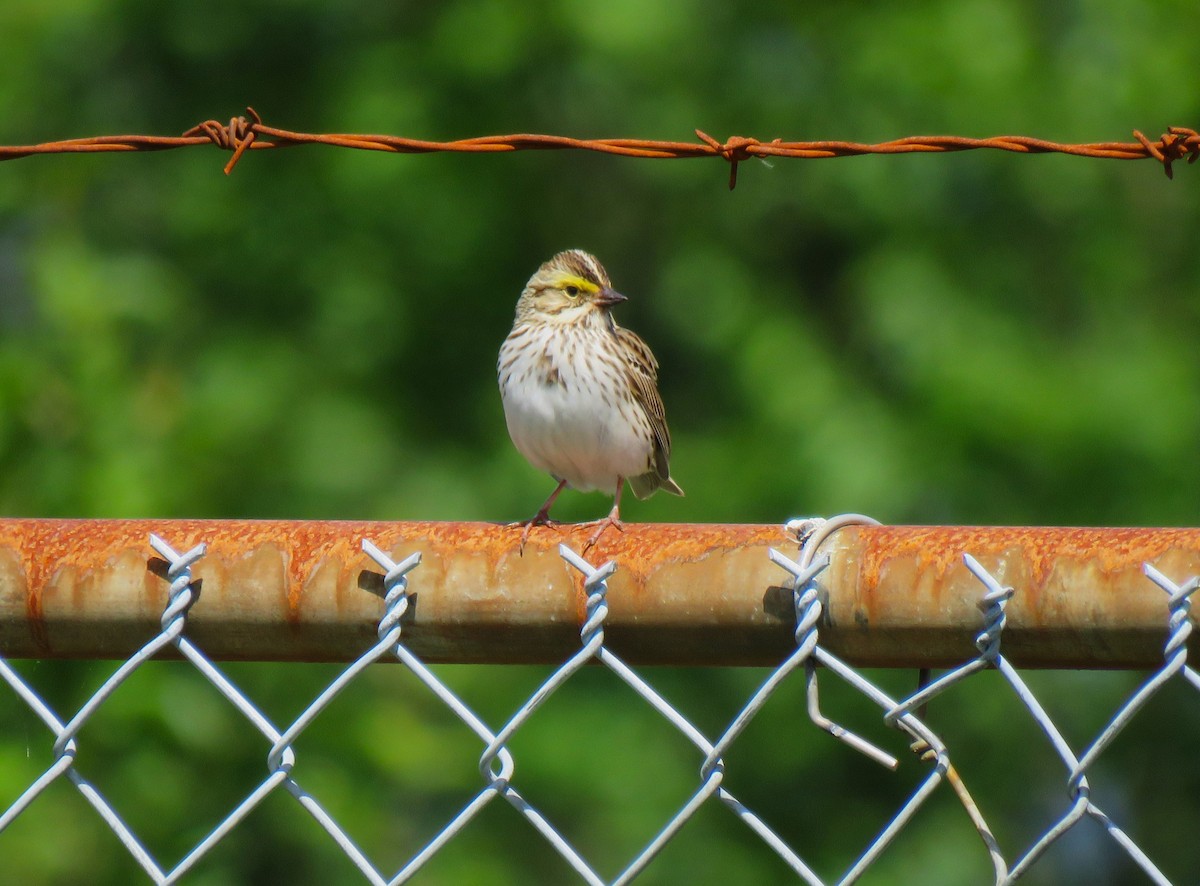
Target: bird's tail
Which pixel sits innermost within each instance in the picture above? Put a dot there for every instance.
(644, 485)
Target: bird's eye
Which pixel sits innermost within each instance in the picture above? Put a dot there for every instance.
(572, 291)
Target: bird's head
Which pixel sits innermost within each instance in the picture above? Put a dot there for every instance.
(570, 288)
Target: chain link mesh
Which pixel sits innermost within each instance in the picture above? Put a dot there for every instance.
(497, 763)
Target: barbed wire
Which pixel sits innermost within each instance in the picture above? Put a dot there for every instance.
(241, 134)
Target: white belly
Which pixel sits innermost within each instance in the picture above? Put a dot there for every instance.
(567, 432)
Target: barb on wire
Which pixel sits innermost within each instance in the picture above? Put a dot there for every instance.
(237, 136)
(241, 134)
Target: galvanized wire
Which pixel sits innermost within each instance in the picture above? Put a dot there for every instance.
(241, 134)
(498, 765)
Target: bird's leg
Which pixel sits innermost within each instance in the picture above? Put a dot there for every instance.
(542, 517)
(613, 519)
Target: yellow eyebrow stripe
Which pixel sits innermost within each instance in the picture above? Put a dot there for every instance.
(583, 284)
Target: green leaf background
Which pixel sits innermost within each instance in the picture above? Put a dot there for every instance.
(966, 338)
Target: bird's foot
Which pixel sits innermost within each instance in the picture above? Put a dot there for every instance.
(613, 520)
(541, 518)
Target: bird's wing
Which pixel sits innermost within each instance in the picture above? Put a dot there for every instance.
(643, 373)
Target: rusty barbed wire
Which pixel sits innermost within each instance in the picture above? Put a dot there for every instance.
(241, 134)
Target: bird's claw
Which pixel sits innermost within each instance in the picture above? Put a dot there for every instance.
(540, 519)
(611, 520)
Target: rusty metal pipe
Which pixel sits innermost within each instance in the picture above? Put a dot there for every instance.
(683, 594)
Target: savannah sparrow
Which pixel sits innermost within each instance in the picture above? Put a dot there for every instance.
(580, 393)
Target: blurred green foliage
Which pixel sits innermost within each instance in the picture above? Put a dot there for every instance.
(966, 338)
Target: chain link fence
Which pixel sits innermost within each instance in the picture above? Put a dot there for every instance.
(501, 766)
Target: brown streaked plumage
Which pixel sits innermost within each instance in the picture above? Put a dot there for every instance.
(580, 392)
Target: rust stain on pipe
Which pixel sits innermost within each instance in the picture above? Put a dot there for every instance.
(694, 594)
(1081, 597)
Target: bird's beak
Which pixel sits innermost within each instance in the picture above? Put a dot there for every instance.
(607, 297)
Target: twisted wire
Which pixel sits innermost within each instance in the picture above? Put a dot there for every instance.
(244, 133)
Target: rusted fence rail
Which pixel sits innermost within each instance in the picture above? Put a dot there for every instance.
(811, 598)
(681, 594)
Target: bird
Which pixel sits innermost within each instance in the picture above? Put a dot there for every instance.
(580, 393)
